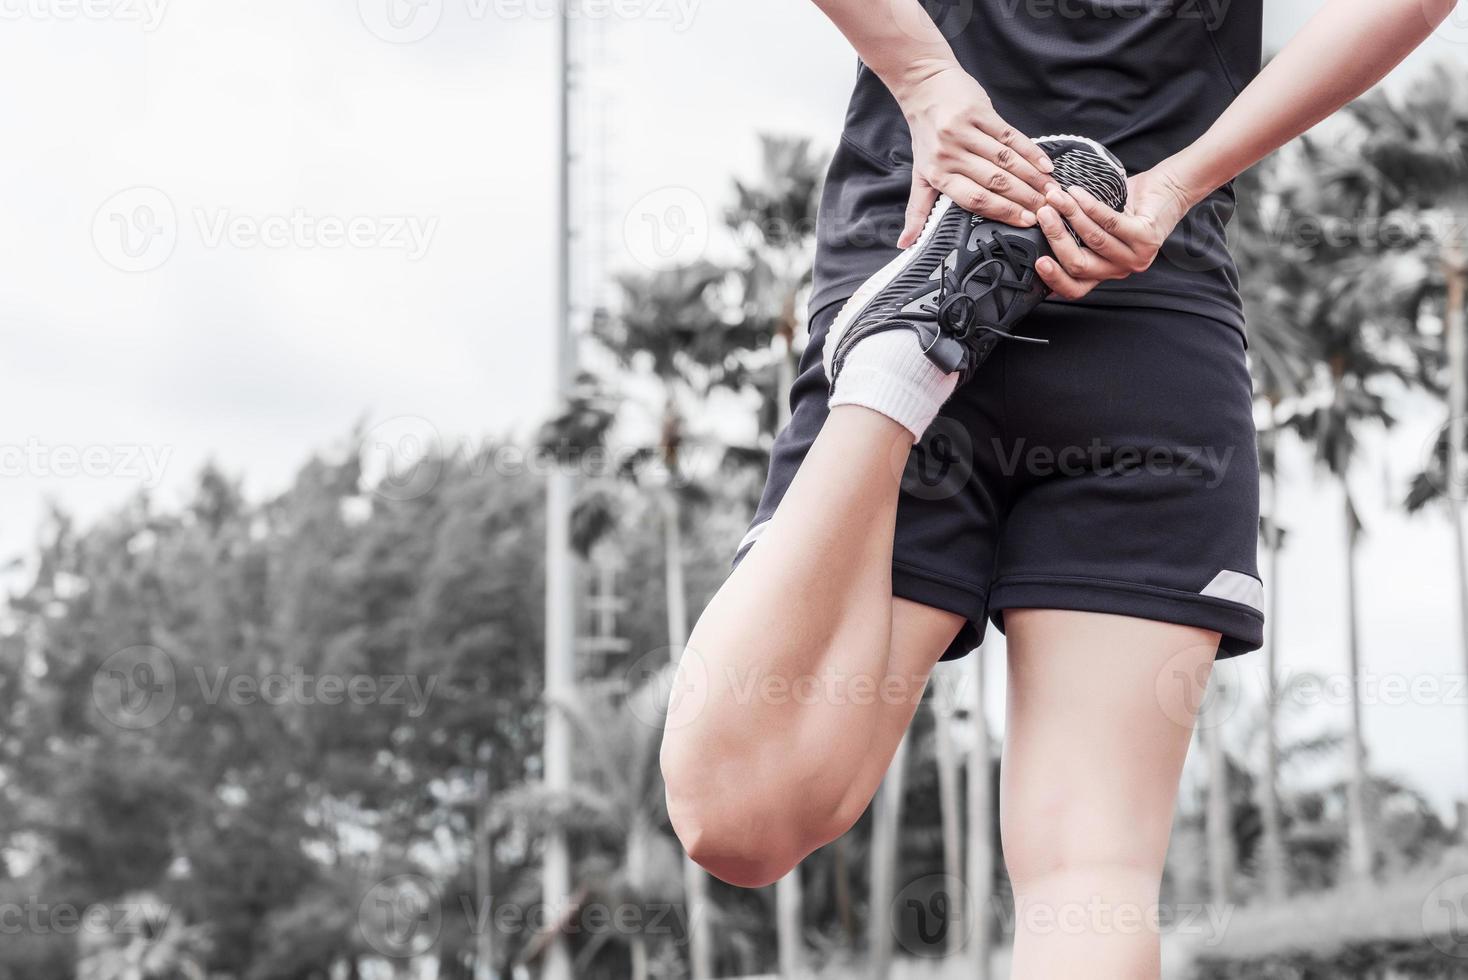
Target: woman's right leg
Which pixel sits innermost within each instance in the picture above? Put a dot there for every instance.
(803, 671)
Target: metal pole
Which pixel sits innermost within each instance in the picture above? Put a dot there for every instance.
(560, 565)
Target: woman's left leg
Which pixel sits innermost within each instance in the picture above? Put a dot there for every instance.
(1101, 711)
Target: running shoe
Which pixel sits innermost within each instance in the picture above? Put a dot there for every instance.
(965, 283)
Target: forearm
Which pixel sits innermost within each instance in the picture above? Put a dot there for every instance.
(897, 40)
(1348, 46)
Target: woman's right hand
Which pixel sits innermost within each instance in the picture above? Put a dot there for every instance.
(961, 147)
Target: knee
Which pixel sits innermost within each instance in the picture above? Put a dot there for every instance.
(747, 836)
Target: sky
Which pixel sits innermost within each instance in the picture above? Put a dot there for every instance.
(234, 229)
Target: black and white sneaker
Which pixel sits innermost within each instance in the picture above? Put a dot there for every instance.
(965, 283)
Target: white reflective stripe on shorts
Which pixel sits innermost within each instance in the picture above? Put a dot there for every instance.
(1246, 590)
(754, 535)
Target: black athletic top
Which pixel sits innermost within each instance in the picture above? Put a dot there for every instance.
(1144, 77)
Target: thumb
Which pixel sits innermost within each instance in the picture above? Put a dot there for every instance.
(919, 205)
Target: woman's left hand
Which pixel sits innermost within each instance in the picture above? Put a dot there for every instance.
(1116, 244)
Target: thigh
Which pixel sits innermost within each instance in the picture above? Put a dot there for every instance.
(1100, 714)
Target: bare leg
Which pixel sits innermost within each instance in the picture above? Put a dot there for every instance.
(803, 672)
(1100, 715)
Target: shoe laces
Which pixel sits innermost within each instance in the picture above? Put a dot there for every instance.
(958, 314)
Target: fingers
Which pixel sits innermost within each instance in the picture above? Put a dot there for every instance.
(999, 182)
(1061, 283)
(1092, 235)
(1009, 137)
(1075, 260)
(919, 205)
(1126, 228)
(967, 194)
(1010, 161)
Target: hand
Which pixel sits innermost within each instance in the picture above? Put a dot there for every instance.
(1116, 245)
(960, 147)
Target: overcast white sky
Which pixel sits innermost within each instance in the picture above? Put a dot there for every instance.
(234, 228)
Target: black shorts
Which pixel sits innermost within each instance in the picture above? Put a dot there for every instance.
(1113, 470)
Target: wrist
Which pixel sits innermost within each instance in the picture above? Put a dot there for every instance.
(1188, 177)
(908, 82)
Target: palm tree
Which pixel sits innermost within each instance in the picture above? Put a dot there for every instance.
(1273, 277)
(1332, 427)
(1364, 311)
(1417, 149)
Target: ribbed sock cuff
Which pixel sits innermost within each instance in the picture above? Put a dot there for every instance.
(888, 373)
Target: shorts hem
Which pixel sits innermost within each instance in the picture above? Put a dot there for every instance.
(1241, 627)
(950, 595)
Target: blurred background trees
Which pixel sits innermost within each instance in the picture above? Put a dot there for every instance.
(252, 816)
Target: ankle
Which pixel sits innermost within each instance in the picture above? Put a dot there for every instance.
(888, 373)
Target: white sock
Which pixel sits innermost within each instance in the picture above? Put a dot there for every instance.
(889, 373)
